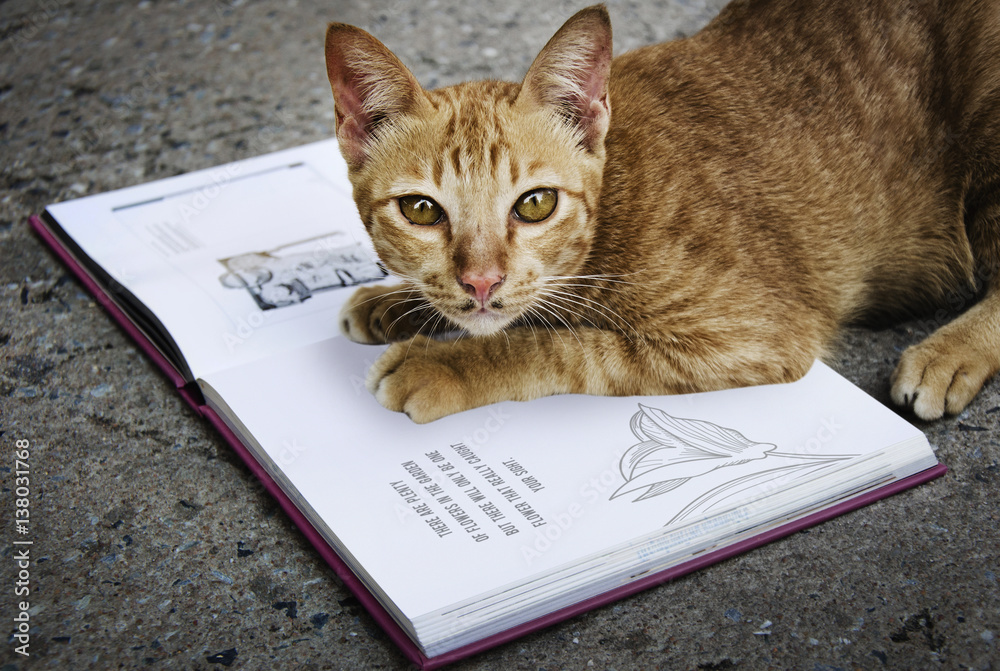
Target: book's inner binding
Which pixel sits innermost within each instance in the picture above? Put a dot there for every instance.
(134, 309)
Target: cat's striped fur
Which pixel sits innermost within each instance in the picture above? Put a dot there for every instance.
(725, 204)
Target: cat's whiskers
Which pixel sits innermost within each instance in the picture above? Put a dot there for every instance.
(412, 283)
(430, 331)
(616, 320)
(545, 322)
(544, 304)
(557, 299)
(602, 277)
(506, 337)
(551, 290)
(534, 336)
(395, 292)
(433, 296)
(437, 320)
(566, 309)
(596, 282)
(529, 317)
(422, 304)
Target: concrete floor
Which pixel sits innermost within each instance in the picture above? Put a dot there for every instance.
(152, 547)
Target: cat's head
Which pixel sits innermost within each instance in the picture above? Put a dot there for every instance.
(484, 195)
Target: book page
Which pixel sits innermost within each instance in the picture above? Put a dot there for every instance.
(439, 513)
(237, 261)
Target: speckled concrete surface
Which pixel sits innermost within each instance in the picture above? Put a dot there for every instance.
(152, 546)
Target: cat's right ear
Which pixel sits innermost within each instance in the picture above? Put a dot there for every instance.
(570, 75)
(370, 87)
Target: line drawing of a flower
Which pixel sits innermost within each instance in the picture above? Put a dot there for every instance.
(674, 450)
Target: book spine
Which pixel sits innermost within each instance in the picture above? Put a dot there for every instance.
(101, 296)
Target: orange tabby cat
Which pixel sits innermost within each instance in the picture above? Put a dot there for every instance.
(694, 215)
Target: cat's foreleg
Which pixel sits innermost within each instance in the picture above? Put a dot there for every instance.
(428, 379)
(945, 371)
(375, 315)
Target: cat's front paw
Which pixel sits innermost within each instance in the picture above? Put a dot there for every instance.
(376, 315)
(939, 375)
(417, 378)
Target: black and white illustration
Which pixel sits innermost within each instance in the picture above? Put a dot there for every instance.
(292, 273)
(674, 451)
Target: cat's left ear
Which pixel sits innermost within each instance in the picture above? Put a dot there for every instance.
(571, 74)
(370, 87)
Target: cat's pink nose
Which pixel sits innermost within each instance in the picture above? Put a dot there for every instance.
(481, 286)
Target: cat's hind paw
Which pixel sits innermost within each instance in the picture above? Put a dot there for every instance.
(939, 376)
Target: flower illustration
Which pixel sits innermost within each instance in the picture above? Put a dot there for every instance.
(673, 450)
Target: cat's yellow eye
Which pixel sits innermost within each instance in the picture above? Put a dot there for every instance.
(421, 210)
(536, 205)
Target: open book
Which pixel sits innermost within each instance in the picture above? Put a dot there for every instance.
(471, 530)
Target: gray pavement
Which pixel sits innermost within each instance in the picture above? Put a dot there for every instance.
(152, 545)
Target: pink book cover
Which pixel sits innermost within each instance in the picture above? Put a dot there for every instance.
(190, 393)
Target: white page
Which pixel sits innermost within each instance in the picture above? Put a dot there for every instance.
(363, 469)
(237, 261)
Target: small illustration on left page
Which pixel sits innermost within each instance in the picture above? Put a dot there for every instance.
(292, 273)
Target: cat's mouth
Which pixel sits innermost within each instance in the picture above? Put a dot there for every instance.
(474, 307)
(483, 319)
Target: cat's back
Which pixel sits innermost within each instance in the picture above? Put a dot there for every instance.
(859, 67)
(852, 122)
(794, 56)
